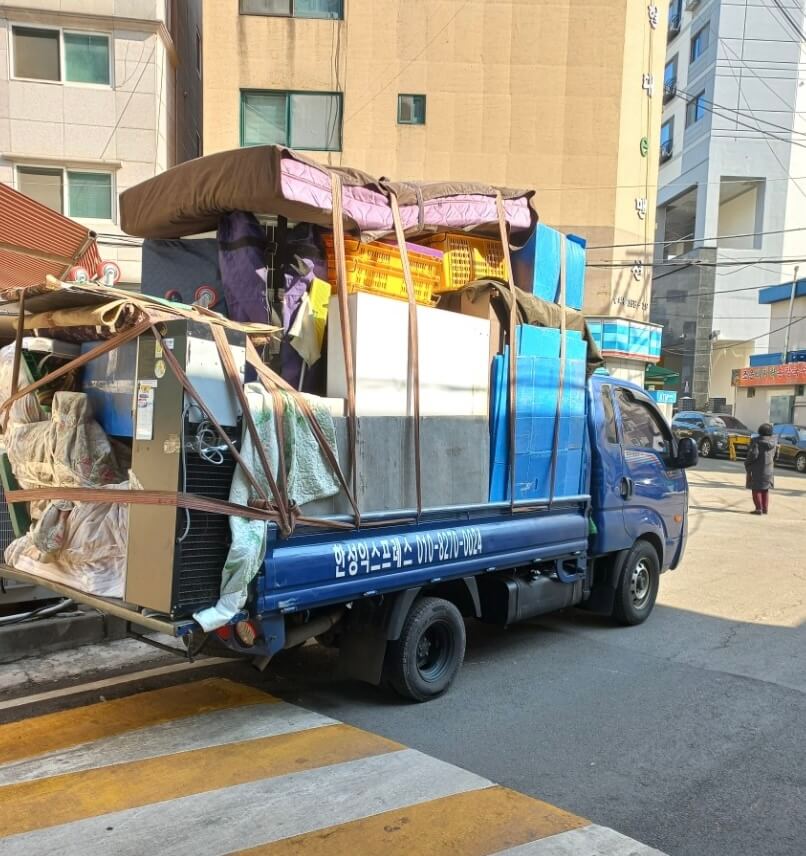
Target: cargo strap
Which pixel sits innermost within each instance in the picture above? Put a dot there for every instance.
(561, 384)
(513, 356)
(346, 331)
(413, 362)
(177, 499)
(270, 380)
(77, 363)
(231, 371)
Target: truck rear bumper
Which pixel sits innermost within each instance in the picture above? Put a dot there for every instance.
(108, 605)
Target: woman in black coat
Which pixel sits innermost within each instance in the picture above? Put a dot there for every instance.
(760, 466)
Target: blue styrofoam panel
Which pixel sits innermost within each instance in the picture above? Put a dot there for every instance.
(536, 266)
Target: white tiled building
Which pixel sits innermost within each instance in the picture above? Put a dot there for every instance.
(96, 96)
(732, 189)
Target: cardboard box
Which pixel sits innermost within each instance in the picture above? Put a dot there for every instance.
(481, 308)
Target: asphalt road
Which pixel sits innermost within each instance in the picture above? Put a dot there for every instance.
(686, 733)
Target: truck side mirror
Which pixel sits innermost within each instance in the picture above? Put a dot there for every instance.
(687, 453)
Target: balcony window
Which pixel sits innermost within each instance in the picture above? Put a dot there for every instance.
(300, 120)
(670, 80)
(83, 195)
(331, 9)
(675, 17)
(699, 42)
(666, 140)
(695, 109)
(61, 56)
(411, 109)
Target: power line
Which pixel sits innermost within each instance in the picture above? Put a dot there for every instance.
(727, 347)
(794, 26)
(411, 61)
(715, 238)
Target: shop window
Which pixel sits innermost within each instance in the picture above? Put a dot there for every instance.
(411, 109)
(301, 120)
(83, 195)
(59, 56)
(332, 9)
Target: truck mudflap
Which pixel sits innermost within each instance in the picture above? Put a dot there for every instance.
(319, 569)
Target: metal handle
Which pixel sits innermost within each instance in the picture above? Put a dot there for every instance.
(626, 487)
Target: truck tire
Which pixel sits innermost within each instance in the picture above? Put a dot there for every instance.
(423, 662)
(706, 448)
(638, 584)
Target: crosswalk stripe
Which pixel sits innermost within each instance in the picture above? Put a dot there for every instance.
(589, 840)
(51, 732)
(216, 822)
(28, 806)
(475, 823)
(232, 725)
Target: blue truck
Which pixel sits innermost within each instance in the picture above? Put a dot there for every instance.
(393, 599)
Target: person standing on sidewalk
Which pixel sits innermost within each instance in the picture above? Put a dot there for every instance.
(760, 464)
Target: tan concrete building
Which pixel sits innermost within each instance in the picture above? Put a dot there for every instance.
(96, 96)
(557, 96)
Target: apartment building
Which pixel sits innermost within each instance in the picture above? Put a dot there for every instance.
(94, 98)
(563, 97)
(732, 196)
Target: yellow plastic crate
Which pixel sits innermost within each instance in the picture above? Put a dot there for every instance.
(467, 258)
(378, 267)
(366, 277)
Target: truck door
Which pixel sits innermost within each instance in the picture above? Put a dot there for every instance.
(654, 494)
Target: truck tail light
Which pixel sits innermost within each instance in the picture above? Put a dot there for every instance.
(246, 633)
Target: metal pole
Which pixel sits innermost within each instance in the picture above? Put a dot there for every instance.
(785, 354)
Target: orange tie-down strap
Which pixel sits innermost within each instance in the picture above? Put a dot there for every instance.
(192, 501)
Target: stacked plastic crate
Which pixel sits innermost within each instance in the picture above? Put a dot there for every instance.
(536, 267)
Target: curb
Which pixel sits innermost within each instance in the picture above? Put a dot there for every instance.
(32, 638)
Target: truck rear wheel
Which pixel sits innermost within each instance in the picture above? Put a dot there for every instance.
(423, 662)
(637, 587)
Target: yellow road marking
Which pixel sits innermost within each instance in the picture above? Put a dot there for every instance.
(474, 823)
(74, 796)
(65, 729)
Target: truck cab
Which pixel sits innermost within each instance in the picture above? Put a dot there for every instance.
(639, 492)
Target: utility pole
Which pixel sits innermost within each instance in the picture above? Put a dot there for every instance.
(792, 293)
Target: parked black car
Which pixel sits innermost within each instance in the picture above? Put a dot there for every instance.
(706, 429)
(791, 445)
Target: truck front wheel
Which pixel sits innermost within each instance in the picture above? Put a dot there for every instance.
(423, 662)
(638, 585)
